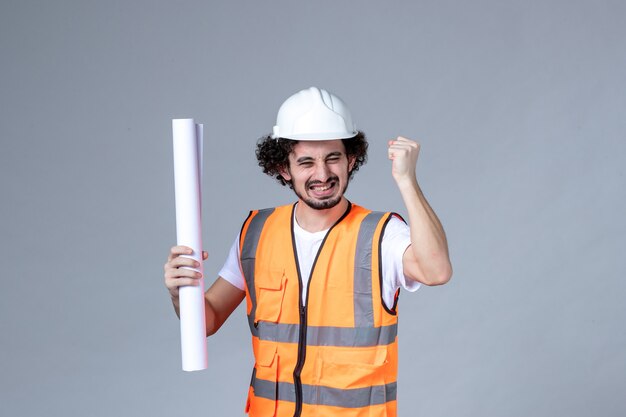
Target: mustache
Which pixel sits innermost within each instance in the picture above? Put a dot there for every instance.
(318, 182)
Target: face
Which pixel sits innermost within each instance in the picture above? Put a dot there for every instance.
(319, 172)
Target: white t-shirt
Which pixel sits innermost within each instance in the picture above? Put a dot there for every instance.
(395, 241)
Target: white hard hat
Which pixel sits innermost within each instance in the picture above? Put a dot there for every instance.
(314, 114)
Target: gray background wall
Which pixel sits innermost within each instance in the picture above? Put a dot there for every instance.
(519, 107)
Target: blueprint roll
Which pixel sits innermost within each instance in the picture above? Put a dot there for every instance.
(188, 185)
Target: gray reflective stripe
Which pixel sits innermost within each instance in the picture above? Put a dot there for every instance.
(325, 336)
(351, 336)
(321, 395)
(363, 303)
(248, 252)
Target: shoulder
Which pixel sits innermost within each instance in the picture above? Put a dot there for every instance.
(389, 218)
(269, 210)
(264, 212)
(257, 219)
(396, 227)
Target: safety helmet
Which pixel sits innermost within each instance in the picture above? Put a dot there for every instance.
(314, 114)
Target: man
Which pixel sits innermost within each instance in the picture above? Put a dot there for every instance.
(321, 277)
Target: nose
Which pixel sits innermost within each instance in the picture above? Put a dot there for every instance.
(322, 171)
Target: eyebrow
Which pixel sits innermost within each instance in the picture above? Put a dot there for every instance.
(308, 158)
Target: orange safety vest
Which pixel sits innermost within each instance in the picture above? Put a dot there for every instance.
(337, 354)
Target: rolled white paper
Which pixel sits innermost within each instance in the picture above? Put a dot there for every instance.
(188, 185)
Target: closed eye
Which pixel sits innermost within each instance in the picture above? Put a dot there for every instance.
(334, 157)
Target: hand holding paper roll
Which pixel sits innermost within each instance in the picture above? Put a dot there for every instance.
(179, 272)
(200, 313)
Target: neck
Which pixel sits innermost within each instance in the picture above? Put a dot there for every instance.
(313, 220)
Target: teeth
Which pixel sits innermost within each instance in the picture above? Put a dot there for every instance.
(321, 188)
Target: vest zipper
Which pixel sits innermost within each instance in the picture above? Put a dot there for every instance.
(303, 309)
(300, 364)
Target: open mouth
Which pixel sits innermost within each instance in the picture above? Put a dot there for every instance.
(322, 190)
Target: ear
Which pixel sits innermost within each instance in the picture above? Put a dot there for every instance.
(284, 172)
(351, 162)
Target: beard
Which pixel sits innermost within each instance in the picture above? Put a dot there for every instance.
(323, 203)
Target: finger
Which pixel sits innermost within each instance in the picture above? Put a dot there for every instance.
(399, 151)
(394, 142)
(400, 148)
(400, 140)
(396, 151)
(181, 282)
(174, 273)
(205, 255)
(403, 143)
(405, 140)
(179, 250)
(183, 261)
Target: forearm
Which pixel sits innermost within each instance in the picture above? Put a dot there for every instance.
(429, 246)
(213, 322)
(220, 300)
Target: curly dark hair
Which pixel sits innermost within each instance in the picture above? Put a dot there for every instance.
(273, 154)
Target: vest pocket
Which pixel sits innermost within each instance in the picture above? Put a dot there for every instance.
(262, 398)
(353, 378)
(352, 368)
(270, 295)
